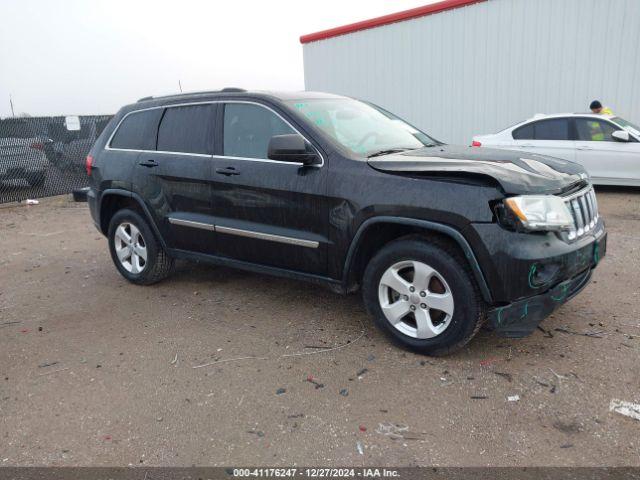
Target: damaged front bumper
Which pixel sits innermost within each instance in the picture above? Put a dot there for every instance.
(521, 317)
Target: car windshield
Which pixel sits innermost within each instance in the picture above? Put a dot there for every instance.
(630, 127)
(362, 128)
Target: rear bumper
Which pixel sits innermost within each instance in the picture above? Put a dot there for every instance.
(93, 201)
(521, 317)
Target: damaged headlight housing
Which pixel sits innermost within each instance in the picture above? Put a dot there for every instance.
(536, 213)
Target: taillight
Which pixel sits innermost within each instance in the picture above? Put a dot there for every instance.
(476, 143)
(37, 145)
(89, 164)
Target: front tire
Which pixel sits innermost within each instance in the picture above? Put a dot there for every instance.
(135, 251)
(423, 296)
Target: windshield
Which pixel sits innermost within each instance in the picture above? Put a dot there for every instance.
(360, 127)
(630, 127)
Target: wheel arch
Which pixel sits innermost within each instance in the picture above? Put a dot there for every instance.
(358, 253)
(115, 199)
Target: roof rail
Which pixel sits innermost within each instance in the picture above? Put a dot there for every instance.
(224, 90)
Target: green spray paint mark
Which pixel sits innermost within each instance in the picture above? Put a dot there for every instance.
(532, 272)
(499, 319)
(563, 294)
(596, 253)
(526, 310)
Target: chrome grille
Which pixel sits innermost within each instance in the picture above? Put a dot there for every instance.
(584, 210)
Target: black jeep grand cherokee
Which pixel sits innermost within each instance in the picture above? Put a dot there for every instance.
(332, 190)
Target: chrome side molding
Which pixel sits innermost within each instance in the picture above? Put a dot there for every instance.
(270, 237)
(190, 223)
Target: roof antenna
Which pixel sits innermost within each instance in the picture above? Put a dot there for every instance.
(13, 114)
(180, 86)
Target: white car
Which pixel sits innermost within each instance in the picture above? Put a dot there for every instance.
(607, 146)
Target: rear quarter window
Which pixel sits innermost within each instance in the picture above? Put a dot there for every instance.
(138, 131)
(523, 133)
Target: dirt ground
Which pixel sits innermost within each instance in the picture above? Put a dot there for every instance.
(95, 371)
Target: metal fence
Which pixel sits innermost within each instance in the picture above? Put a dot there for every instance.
(45, 156)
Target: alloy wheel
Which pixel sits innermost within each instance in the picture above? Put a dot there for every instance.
(130, 247)
(416, 299)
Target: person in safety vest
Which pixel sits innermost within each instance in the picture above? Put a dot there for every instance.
(596, 107)
(595, 127)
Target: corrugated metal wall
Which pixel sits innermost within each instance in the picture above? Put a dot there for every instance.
(484, 67)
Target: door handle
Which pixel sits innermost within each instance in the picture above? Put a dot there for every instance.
(149, 163)
(584, 148)
(228, 171)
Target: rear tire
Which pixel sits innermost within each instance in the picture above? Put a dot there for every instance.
(433, 307)
(135, 250)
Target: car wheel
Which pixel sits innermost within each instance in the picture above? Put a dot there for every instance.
(423, 296)
(37, 179)
(136, 252)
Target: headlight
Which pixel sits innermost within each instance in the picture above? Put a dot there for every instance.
(538, 212)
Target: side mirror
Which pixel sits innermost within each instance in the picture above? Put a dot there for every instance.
(621, 136)
(291, 148)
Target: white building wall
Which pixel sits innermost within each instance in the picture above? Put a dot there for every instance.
(486, 66)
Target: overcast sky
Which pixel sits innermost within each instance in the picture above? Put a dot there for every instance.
(93, 56)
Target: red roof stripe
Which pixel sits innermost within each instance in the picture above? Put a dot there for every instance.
(387, 19)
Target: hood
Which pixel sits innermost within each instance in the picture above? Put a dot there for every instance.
(517, 172)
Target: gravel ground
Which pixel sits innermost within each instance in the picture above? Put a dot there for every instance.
(95, 371)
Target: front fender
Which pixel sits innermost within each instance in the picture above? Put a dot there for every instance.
(426, 225)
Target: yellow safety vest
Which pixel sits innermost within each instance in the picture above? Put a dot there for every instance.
(597, 135)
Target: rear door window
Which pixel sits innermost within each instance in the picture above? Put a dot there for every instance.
(188, 129)
(248, 129)
(138, 131)
(594, 130)
(554, 129)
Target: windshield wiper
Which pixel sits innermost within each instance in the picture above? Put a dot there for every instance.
(389, 151)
